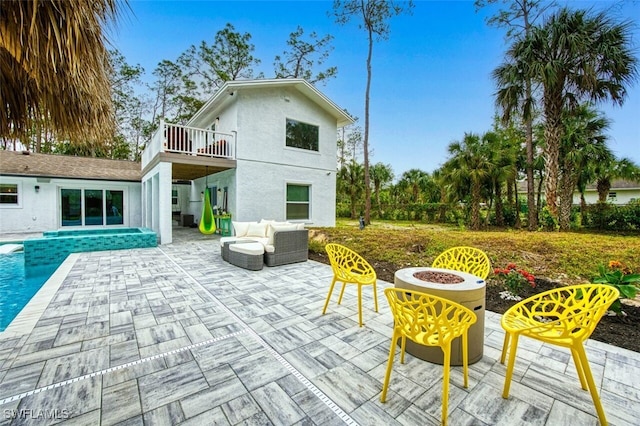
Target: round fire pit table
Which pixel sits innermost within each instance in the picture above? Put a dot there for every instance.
(465, 289)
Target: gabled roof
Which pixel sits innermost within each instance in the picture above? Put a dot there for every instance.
(16, 163)
(223, 95)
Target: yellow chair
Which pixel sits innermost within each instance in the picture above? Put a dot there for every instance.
(350, 268)
(431, 321)
(564, 317)
(464, 259)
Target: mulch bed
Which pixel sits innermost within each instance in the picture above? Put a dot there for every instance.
(623, 332)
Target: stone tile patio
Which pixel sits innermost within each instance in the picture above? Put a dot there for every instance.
(174, 335)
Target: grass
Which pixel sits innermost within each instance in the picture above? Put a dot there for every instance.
(568, 257)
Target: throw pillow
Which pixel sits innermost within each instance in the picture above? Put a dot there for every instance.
(274, 228)
(257, 230)
(240, 228)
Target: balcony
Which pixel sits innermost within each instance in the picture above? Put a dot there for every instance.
(193, 152)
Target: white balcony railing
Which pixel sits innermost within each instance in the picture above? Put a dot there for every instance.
(177, 139)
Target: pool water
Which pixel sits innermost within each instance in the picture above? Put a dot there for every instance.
(19, 284)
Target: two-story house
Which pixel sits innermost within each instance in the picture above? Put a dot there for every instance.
(262, 148)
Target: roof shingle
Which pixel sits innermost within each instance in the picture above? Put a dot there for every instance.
(14, 163)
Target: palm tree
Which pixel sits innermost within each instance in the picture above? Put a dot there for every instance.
(502, 153)
(55, 68)
(607, 171)
(382, 175)
(470, 163)
(583, 144)
(412, 182)
(574, 57)
(351, 183)
(515, 90)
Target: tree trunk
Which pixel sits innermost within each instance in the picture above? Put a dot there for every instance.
(539, 201)
(367, 187)
(603, 186)
(583, 209)
(516, 208)
(475, 206)
(499, 207)
(552, 134)
(531, 192)
(566, 198)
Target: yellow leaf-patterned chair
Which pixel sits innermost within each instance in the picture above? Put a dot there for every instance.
(431, 321)
(350, 268)
(464, 259)
(564, 317)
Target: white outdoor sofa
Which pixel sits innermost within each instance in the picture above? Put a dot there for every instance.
(283, 242)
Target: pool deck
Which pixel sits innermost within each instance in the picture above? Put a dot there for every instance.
(175, 335)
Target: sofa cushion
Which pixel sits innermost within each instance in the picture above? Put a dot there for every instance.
(261, 240)
(276, 228)
(241, 228)
(257, 230)
(252, 249)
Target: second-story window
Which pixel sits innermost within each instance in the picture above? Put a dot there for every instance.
(302, 135)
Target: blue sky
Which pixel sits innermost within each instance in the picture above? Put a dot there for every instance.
(431, 78)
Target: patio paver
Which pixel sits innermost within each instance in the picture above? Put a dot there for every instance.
(174, 335)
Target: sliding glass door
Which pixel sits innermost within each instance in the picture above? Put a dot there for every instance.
(91, 207)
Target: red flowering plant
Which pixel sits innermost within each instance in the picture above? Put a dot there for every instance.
(514, 280)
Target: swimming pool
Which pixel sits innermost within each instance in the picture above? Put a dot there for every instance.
(19, 284)
(55, 246)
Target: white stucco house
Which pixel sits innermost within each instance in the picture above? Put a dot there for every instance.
(262, 148)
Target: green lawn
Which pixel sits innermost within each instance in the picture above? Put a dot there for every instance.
(569, 258)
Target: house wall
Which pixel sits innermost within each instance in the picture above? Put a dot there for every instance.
(40, 211)
(262, 115)
(265, 164)
(622, 196)
(261, 192)
(156, 199)
(219, 180)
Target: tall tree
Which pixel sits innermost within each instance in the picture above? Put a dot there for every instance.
(595, 63)
(412, 181)
(349, 143)
(582, 145)
(54, 65)
(128, 105)
(230, 57)
(502, 168)
(470, 165)
(607, 171)
(373, 16)
(351, 183)
(382, 175)
(303, 56)
(518, 19)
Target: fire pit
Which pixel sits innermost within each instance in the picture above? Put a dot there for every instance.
(460, 287)
(438, 277)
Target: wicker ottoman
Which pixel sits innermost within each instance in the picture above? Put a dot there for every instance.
(246, 255)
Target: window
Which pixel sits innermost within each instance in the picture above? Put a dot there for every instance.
(613, 195)
(9, 193)
(91, 207)
(71, 207)
(302, 135)
(115, 205)
(298, 202)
